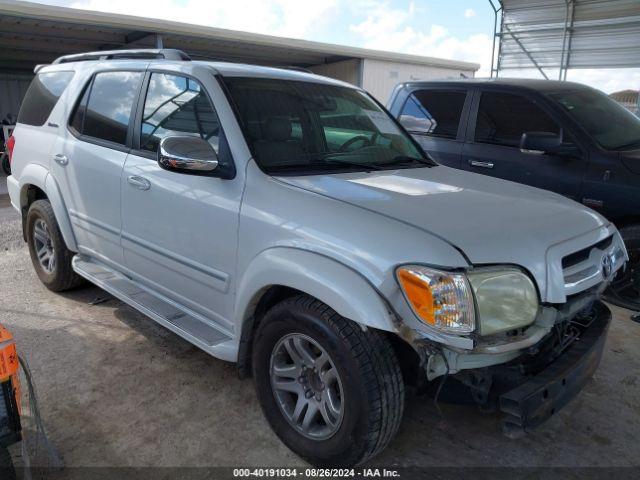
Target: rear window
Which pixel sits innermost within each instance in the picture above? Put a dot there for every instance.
(104, 111)
(42, 96)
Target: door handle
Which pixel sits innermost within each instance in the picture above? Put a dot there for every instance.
(140, 183)
(477, 163)
(61, 159)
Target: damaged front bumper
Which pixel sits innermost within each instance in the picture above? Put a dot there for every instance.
(532, 402)
(532, 382)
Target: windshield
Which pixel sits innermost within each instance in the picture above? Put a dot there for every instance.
(609, 123)
(296, 127)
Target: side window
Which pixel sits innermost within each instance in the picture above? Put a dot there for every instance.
(433, 112)
(177, 105)
(42, 96)
(104, 111)
(504, 117)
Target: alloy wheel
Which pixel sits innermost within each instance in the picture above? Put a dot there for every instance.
(44, 246)
(307, 386)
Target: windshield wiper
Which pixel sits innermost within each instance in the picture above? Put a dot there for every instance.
(335, 161)
(628, 146)
(400, 159)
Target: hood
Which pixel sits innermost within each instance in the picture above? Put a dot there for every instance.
(631, 160)
(489, 220)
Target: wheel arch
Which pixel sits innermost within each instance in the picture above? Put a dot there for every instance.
(37, 184)
(281, 272)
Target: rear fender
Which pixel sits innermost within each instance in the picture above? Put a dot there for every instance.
(38, 176)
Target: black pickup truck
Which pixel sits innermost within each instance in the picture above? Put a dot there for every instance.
(560, 136)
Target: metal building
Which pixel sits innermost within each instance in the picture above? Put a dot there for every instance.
(554, 36)
(32, 33)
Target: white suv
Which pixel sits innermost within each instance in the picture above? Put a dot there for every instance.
(286, 222)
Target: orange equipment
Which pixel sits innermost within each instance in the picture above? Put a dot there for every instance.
(9, 390)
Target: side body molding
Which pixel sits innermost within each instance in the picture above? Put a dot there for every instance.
(39, 176)
(344, 290)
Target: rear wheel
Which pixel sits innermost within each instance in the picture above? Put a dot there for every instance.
(332, 392)
(625, 289)
(49, 254)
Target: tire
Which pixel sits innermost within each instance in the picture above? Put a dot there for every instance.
(369, 377)
(625, 289)
(61, 276)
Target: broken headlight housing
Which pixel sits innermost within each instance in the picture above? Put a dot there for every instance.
(486, 300)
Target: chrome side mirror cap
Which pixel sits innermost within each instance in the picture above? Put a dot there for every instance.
(187, 154)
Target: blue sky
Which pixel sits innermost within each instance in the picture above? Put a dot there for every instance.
(457, 29)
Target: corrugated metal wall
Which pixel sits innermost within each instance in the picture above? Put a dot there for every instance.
(600, 33)
(12, 90)
(380, 77)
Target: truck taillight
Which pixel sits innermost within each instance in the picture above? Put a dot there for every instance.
(10, 144)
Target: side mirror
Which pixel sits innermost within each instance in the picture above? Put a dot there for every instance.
(187, 154)
(540, 142)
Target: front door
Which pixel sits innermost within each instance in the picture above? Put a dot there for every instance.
(434, 118)
(179, 231)
(493, 146)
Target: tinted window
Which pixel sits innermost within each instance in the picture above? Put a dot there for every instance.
(109, 106)
(609, 123)
(433, 112)
(306, 128)
(504, 117)
(177, 105)
(77, 119)
(42, 96)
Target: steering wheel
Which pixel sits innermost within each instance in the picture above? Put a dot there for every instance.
(358, 138)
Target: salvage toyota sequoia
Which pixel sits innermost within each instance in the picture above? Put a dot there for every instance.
(286, 222)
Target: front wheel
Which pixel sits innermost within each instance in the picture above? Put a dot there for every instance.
(332, 392)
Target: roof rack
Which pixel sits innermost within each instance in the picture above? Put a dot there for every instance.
(145, 53)
(294, 68)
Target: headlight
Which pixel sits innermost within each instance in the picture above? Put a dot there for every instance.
(440, 299)
(506, 299)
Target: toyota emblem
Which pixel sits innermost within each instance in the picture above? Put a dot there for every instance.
(607, 266)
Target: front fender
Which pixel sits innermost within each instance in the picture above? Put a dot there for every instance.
(38, 176)
(331, 282)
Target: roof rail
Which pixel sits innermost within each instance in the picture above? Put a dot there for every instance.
(144, 53)
(294, 68)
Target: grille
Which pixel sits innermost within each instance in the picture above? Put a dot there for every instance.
(582, 255)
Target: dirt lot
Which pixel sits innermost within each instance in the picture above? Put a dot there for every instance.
(117, 389)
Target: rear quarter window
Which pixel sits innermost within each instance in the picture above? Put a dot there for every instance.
(43, 94)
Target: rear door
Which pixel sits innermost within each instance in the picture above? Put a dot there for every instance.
(497, 121)
(435, 118)
(88, 157)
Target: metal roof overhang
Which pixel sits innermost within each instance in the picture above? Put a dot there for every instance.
(32, 33)
(568, 34)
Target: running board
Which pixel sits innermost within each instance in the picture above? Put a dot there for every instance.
(163, 311)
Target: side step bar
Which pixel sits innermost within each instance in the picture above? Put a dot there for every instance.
(163, 311)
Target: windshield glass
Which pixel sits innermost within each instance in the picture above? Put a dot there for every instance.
(300, 127)
(609, 123)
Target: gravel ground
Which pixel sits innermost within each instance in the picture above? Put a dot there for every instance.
(116, 389)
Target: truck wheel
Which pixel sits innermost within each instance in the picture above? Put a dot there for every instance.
(625, 289)
(332, 392)
(49, 254)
